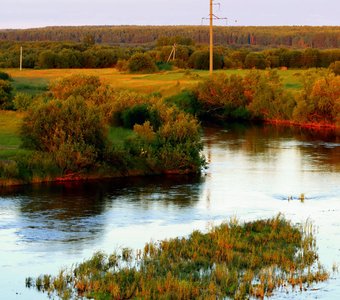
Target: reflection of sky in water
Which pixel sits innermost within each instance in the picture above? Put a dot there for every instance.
(251, 174)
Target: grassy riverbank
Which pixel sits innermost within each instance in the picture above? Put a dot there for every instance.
(163, 106)
(231, 260)
(83, 128)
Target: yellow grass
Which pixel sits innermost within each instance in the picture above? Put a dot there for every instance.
(166, 83)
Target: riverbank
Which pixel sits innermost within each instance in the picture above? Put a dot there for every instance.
(92, 177)
(315, 126)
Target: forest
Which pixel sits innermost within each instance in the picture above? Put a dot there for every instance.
(324, 37)
(88, 54)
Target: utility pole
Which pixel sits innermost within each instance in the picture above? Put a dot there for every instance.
(20, 58)
(211, 64)
(172, 53)
(211, 18)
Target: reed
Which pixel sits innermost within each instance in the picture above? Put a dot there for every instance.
(231, 260)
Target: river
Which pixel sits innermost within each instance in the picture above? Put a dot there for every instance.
(252, 171)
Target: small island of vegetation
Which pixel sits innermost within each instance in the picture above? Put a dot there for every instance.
(231, 260)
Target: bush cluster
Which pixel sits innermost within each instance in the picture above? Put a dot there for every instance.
(261, 96)
(72, 128)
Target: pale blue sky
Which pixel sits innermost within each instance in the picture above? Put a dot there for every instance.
(39, 13)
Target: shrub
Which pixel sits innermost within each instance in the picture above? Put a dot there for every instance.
(220, 95)
(141, 63)
(255, 60)
(200, 60)
(47, 59)
(5, 95)
(163, 66)
(75, 85)
(335, 67)
(267, 97)
(4, 76)
(71, 130)
(139, 114)
(185, 101)
(122, 65)
(319, 101)
(22, 101)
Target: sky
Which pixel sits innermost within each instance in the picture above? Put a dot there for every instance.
(41, 13)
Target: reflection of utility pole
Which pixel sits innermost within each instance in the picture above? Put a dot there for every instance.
(20, 58)
(172, 53)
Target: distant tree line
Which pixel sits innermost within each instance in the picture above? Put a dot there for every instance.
(86, 54)
(324, 37)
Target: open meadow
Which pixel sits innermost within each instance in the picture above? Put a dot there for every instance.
(166, 83)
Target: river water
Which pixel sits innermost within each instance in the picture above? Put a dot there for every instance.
(252, 172)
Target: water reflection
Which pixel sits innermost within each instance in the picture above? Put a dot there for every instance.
(318, 148)
(76, 212)
(252, 172)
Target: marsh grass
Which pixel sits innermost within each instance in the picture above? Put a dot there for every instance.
(231, 260)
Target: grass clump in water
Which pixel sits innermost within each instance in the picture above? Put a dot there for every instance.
(231, 260)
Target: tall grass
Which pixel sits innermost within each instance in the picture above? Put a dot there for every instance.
(231, 260)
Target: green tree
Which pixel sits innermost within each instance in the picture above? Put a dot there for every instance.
(255, 60)
(141, 63)
(200, 60)
(47, 59)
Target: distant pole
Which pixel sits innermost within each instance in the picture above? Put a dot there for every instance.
(211, 65)
(20, 58)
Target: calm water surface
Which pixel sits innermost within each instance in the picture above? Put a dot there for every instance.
(252, 172)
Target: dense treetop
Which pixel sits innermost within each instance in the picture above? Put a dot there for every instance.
(264, 36)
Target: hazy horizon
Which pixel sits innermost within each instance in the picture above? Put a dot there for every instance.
(21, 14)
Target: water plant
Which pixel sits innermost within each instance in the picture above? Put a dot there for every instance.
(231, 260)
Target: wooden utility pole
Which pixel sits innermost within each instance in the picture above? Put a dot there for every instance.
(211, 64)
(172, 53)
(211, 19)
(20, 58)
